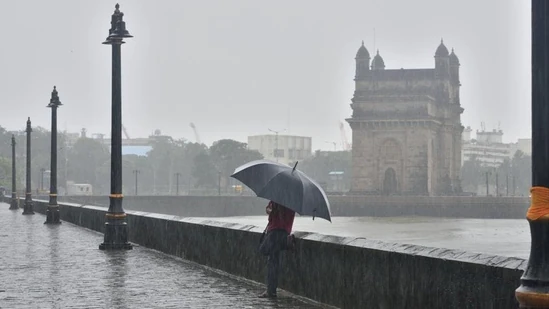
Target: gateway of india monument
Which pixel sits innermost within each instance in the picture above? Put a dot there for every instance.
(406, 127)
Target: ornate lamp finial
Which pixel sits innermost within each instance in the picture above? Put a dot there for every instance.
(54, 101)
(118, 31)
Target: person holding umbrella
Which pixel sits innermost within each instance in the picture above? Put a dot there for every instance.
(289, 191)
(277, 239)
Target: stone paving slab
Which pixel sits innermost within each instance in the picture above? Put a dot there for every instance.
(44, 266)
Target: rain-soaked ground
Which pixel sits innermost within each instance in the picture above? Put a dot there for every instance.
(44, 266)
(492, 236)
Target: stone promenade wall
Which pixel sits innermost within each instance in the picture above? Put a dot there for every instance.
(375, 206)
(344, 272)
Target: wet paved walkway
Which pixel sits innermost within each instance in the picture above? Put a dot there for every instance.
(44, 266)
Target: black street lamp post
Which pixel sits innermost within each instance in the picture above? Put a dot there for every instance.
(497, 185)
(190, 184)
(514, 185)
(42, 171)
(177, 183)
(52, 213)
(14, 204)
(28, 207)
(219, 183)
(507, 185)
(488, 174)
(116, 228)
(136, 172)
(534, 289)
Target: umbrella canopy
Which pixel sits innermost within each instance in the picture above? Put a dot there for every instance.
(286, 186)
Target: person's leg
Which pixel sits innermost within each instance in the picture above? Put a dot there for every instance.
(267, 248)
(275, 241)
(278, 243)
(272, 273)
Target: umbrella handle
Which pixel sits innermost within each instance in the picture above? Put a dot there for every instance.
(314, 213)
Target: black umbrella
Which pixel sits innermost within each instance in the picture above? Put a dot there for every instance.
(286, 186)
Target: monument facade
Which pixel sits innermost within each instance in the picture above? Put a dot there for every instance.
(406, 127)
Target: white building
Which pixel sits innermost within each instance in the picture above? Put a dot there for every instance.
(524, 145)
(466, 135)
(79, 188)
(290, 148)
(134, 146)
(488, 147)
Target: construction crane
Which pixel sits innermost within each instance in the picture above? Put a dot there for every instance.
(196, 137)
(333, 143)
(344, 141)
(125, 132)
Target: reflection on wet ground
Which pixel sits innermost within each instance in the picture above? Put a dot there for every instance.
(492, 236)
(44, 266)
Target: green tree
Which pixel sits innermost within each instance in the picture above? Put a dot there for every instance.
(471, 175)
(142, 164)
(168, 157)
(226, 155)
(162, 159)
(5, 143)
(204, 172)
(319, 166)
(41, 155)
(521, 170)
(505, 177)
(516, 171)
(87, 160)
(186, 162)
(5, 172)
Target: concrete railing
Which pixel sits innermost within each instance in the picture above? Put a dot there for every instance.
(375, 206)
(344, 272)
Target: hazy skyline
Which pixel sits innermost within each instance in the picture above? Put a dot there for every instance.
(239, 68)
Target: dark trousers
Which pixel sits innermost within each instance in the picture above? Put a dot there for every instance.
(273, 243)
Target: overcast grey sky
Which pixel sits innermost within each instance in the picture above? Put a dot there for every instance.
(237, 68)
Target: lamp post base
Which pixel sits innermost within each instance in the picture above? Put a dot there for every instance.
(28, 208)
(14, 203)
(534, 289)
(52, 215)
(116, 235)
(532, 297)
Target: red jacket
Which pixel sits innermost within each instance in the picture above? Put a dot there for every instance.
(280, 218)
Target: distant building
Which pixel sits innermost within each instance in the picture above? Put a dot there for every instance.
(135, 146)
(141, 151)
(284, 148)
(466, 135)
(79, 188)
(523, 144)
(141, 141)
(488, 147)
(487, 137)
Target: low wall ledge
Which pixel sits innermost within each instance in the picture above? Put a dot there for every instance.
(358, 242)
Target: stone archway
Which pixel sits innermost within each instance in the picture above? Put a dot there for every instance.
(390, 166)
(390, 181)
